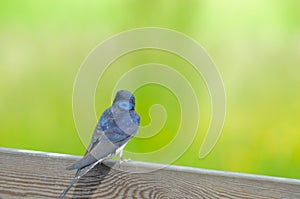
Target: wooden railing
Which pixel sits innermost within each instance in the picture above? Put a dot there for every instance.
(30, 174)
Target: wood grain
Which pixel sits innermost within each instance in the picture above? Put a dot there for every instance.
(28, 174)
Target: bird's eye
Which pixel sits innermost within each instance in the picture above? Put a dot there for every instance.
(124, 105)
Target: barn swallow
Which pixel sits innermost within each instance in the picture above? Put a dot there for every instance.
(117, 125)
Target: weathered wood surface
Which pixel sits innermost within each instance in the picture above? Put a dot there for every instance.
(29, 174)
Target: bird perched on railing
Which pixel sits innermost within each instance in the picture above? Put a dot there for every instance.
(117, 125)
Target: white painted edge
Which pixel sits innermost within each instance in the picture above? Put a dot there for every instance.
(165, 167)
(38, 153)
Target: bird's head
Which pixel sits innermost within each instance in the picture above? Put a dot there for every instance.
(124, 100)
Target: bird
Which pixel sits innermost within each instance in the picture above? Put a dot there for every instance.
(117, 125)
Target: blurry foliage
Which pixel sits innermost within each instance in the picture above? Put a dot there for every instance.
(256, 45)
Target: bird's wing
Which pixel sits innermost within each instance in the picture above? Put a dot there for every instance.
(98, 133)
(104, 146)
(97, 136)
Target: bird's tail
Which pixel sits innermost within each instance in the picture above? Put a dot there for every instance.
(79, 174)
(63, 194)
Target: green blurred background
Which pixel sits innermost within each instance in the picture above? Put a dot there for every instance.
(255, 44)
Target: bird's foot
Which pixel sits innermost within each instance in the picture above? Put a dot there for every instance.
(123, 160)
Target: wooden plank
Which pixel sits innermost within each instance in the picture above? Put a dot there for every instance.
(30, 174)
